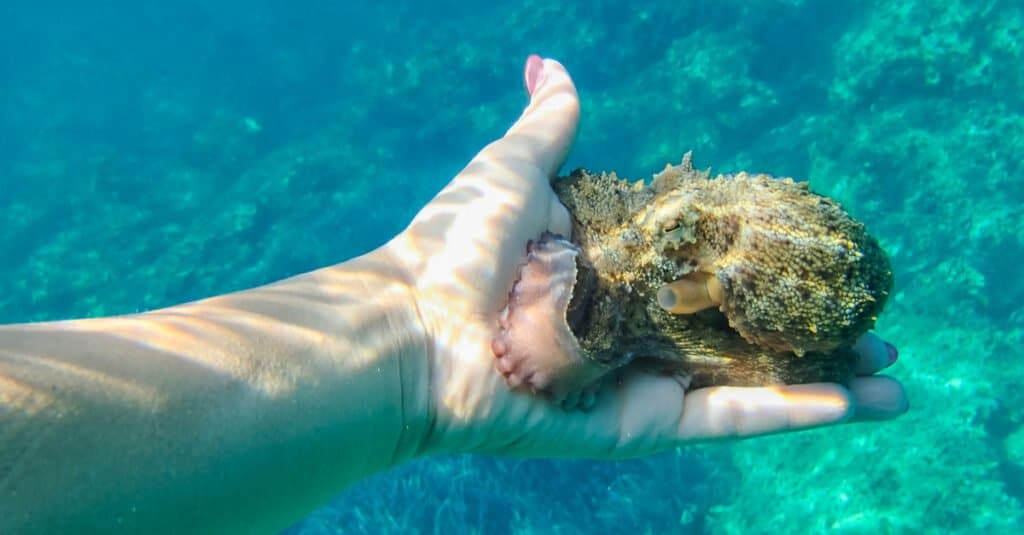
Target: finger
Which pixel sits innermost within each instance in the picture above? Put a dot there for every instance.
(474, 232)
(548, 124)
(874, 354)
(734, 412)
(878, 398)
(533, 73)
(535, 146)
(633, 416)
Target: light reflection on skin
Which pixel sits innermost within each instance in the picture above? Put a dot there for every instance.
(218, 334)
(187, 404)
(220, 326)
(747, 408)
(459, 271)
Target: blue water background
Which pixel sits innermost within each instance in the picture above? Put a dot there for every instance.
(157, 152)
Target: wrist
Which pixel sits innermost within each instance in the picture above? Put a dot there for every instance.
(378, 355)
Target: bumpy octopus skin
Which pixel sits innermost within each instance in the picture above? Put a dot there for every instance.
(784, 282)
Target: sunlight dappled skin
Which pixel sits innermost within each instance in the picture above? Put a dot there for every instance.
(216, 334)
(18, 396)
(188, 404)
(747, 409)
(96, 381)
(467, 243)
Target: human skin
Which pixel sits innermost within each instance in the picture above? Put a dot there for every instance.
(243, 412)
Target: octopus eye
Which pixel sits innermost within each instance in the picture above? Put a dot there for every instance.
(674, 227)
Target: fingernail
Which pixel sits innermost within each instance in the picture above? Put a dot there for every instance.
(893, 353)
(533, 73)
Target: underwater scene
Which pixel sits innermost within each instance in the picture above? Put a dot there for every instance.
(153, 153)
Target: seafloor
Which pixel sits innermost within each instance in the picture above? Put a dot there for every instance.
(155, 155)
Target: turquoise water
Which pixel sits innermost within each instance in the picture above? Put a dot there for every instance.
(154, 155)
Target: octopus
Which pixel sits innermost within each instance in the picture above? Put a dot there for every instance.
(742, 279)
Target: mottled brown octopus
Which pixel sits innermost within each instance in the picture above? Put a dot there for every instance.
(742, 279)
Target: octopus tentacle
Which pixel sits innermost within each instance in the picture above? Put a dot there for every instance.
(535, 347)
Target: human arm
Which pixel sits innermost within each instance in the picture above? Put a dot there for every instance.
(239, 413)
(245, 411)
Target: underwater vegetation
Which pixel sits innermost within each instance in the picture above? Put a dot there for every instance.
(139, 169)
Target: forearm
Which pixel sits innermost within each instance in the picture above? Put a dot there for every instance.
(239, 412)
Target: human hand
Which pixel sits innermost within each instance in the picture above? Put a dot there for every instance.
(462, 252)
